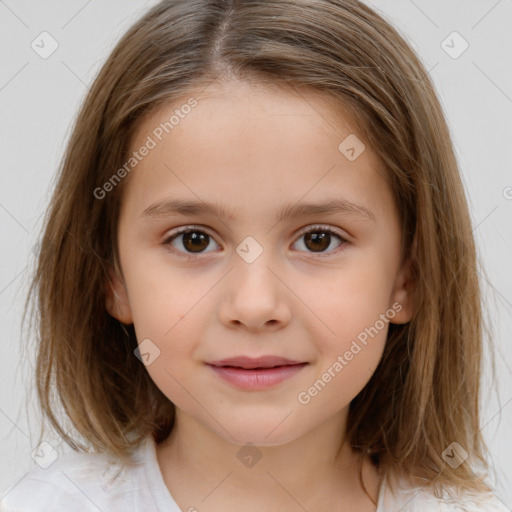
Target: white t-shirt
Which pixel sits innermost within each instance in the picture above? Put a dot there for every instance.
(81, 482)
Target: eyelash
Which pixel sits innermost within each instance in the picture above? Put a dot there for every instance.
(318, 228)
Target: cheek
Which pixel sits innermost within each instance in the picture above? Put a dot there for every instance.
(168, 321)
(354, 310)
(164, 299)
(166, 306)
(347, 361)
(351, 298)
(353, 353)
(171, 371)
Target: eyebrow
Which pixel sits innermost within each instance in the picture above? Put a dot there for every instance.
(174, 207)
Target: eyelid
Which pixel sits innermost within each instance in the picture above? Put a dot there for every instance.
(184, 229)
(344, 239)
(306, 229)
(173, 233)
(168, 238)
(323, 227)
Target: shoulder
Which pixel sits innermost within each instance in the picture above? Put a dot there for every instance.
(405, 498)
(75, 481)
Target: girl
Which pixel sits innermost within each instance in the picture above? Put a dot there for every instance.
(257, 286)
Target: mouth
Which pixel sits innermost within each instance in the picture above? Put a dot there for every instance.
(256, 373)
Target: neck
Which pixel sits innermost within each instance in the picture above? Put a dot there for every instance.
(319, 468)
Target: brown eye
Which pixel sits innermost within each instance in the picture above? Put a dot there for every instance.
(195, 241)
(189, 241)
(318, 239)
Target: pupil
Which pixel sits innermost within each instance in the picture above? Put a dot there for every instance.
(320, 241)
(195, 240)
(317, 242)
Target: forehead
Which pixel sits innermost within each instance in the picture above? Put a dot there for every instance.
(225, 102)
(251, 144)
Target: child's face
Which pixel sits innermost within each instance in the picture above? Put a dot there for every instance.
(252, 285)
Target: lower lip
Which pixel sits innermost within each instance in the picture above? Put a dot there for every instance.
(260, 378)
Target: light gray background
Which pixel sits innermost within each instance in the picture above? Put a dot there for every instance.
(39, 98)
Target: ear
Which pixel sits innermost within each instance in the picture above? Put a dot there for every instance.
(404, 289)
(116, 300)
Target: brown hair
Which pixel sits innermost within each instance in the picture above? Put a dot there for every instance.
(424, 393)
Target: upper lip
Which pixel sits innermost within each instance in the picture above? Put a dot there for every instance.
(249, 363)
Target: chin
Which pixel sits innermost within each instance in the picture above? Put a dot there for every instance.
(265, 433)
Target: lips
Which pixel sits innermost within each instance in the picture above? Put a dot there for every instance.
(256, 373)
(249, 363)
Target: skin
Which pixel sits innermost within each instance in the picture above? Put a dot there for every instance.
(254, 149)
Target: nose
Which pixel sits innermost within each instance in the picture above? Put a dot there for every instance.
(255, 297)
